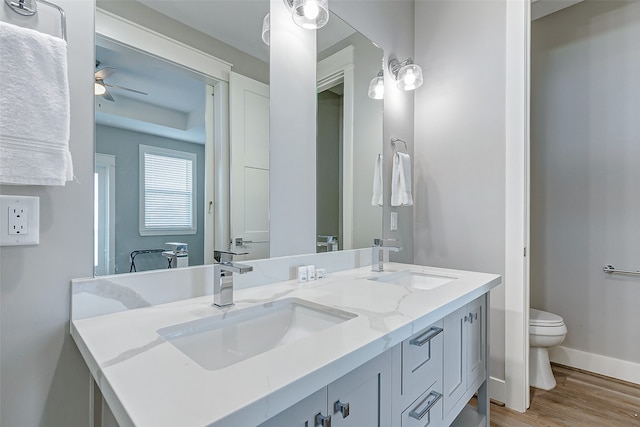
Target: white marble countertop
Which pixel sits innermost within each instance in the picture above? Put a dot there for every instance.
(147, 381)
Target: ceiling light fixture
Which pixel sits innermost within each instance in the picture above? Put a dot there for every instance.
(407, 74)
(266, 29)
(376, 86)
(99, 88)
(309, 14)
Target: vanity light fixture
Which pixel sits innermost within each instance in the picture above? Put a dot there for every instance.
(407, 74)
(266, 29)
(376, 86)
(309, 14)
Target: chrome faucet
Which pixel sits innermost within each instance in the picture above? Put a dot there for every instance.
(377, 253)
(223, 277)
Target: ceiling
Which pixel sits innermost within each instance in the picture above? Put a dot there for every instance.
(174, 106)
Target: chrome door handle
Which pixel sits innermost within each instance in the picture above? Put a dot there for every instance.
(323, 421)
(241, 242)
(343, 408)
(426, 337)
(418, 413)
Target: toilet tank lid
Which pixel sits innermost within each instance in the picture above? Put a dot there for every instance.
(539, 317)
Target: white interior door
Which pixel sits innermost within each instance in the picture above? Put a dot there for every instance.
(249, 151)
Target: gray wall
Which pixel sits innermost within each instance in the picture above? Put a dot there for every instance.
(292, 136)
(124, 145)
(585, 177)
(390, 25)
(43, 379)
(459, 188)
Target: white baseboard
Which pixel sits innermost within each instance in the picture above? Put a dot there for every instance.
(603, 365)
(497, 389)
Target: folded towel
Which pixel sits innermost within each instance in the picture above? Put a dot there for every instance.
(401, 180)
(34, 108)
(376, 200)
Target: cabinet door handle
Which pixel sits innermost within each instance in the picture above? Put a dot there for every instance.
(323, 421)
(426, 337)
(428, 401)
(343, 408)
(469, 318)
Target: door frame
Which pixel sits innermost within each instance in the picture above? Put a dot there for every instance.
(337, 68)
(516, 278)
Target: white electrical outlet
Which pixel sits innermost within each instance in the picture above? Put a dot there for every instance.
(394, 221)
(19, 220)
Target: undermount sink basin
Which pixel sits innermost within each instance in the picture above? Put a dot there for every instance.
(222, 340)
(415, 280)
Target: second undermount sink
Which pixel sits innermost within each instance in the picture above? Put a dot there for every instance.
(415, 280)
(222, 340)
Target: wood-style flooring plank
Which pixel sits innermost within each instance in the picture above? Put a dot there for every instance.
(580, 399)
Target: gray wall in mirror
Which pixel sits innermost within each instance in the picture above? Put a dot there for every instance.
(123, 144)
(369, 220)
(367, 134)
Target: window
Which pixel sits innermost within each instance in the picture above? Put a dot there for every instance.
(168, 191)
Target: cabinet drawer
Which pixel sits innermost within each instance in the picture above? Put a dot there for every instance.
(422, 360)
(426, 411)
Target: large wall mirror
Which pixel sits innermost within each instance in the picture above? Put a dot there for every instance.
(165, 133)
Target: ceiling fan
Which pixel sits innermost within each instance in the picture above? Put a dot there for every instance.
(100, 86)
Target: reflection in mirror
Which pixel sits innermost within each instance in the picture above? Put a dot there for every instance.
(172, 119)
(150, 140)
(349, 138)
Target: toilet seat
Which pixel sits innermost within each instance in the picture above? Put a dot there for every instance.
(544, 319)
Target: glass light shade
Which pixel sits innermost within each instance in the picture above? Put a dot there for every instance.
(266, 30)
(310, 14)
(376, 87)
(99, 89)
(409, 77)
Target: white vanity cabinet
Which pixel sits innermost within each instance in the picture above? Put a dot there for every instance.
(465, 353)
(360, 398)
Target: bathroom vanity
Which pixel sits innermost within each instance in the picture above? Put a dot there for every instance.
(402, 347)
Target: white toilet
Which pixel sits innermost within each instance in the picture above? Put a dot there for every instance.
(545, 330)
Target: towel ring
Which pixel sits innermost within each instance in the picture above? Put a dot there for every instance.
(393, 144)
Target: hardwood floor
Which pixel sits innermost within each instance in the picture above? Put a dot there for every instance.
(579, 400)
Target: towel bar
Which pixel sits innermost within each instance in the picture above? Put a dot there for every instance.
(611, 269)
(21, 8)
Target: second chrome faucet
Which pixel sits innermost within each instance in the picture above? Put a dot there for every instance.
(377, 253)
(223, 271)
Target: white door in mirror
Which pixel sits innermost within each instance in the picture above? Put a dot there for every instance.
(19, 220)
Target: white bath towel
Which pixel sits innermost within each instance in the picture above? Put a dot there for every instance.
(376, 199)
(401, 180)
(34, 108)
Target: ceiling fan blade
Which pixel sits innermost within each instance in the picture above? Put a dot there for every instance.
(108, 96)
(105, 72)
(126, 88)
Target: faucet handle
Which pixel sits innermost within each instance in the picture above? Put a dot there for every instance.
(226, 256)
(379, 242)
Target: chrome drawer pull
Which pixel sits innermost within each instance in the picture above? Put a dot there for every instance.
(434, 396)
(343, 408)
(323, 421)
(426, 337)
